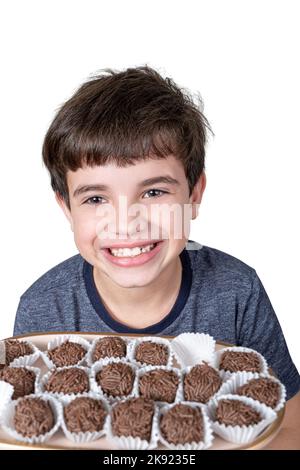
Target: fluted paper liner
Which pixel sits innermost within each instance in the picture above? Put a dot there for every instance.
(41, 384)
(241, 434)
(186, 370)
(27, 360)
(135, 443)
(8, 419)
(144, 370)
(208, 434)
(6, 392)
(95, 387)
(192, 348)
(226, 374)
(82, 437)
(58, 341)
(89, 358)
(153, 339)
(241, 378)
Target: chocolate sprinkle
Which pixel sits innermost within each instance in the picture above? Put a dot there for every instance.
(33, 417)
(109, 347)
(201, 383)
(262, 389)
(67, 354)
(234, 361)
(133, 417)
(236, 413)
(159, 385)
(20, 378)
(15, 348)
(182, 424)
(72, 380)
(149, 352)
(84, 414)
(116, 379)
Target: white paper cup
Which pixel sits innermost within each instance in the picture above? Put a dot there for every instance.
(208, 434)
(26, 360)
(8, 419)
(82, 437)
(241, 378)
(6, 392)
(58, 341)
(42, 383)
(227, 374)
(193, 348)
(95, 387)
(241, 434)
(37, 373)
(89, 358)
(153, 339)
(186, 370)
(144, 370)
(134, 443)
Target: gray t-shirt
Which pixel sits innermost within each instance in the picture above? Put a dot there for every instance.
(219, 295)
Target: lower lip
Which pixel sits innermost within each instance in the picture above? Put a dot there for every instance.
(128, 261)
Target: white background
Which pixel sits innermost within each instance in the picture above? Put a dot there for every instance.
(242, 56)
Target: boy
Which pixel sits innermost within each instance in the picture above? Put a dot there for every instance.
(137, 136)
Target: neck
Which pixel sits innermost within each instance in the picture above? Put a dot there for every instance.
(155, 300)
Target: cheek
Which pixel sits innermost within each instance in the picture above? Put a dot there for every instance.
(84, 229)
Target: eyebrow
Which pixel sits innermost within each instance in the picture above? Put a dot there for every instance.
(148, 182)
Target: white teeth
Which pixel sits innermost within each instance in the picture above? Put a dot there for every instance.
(123, 252)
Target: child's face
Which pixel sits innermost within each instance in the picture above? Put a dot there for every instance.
(103, 217)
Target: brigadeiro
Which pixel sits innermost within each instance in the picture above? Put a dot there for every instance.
(159, 385)
(33, 417)
(67, 380)
(182, 424)
(234, 361)
(15, 348)
(236, 413)
(152, 353)
(68, 353)
(263, 389)
(116, 379)
(85, 414)
(201, 383)
(133, 417)
(110, 346)
(21, 378)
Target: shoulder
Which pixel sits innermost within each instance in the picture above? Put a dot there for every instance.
(66, 274)
(208, 263)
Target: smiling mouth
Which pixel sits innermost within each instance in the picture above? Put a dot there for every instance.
(131, 252)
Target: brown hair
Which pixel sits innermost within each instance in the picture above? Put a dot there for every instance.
(121, 117)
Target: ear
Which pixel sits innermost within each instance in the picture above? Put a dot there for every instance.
(196, 196)
(62, 204)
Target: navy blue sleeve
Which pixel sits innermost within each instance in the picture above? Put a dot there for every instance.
(260, 330)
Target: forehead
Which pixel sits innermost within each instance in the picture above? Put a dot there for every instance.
(126, 178)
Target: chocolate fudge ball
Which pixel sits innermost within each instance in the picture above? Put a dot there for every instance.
(72, 380)
(201, 383)
(235, 361)
(67, 354)
(151, 353)
(33, 417)
(110, 346)
(159, 385)
(15, 348)
(133, 417)
(263, 389)
(182, 424)
(236, 413)
(22, 379)
(85, 414)
(116, 379)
